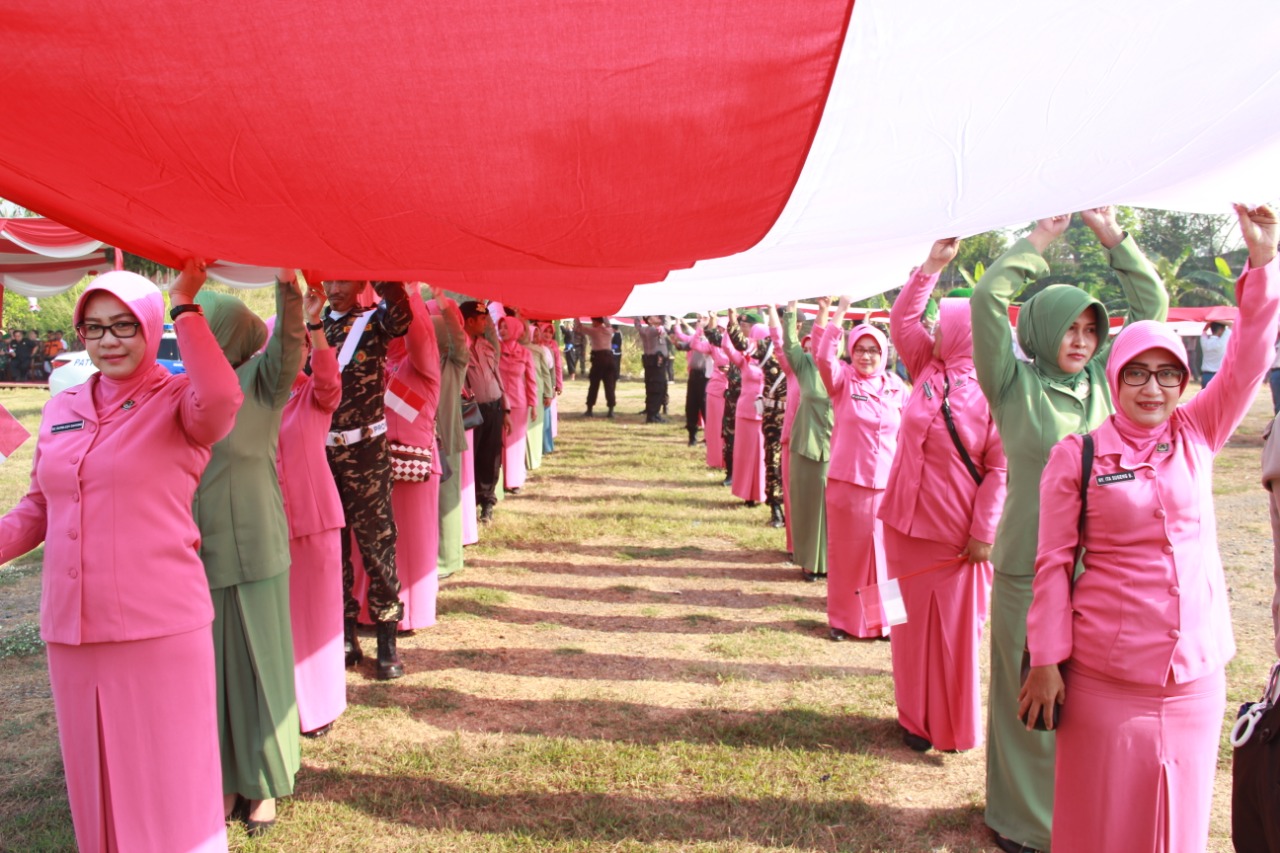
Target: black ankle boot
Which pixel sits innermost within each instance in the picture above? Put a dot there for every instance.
(389, 665)
(351, 643)
(775, 516)
(610, 412)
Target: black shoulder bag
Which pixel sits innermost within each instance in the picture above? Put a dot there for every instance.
(1086, 471)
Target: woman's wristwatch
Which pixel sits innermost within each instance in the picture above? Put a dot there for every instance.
(178, 310)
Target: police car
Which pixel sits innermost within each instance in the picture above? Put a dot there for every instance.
(72, 368)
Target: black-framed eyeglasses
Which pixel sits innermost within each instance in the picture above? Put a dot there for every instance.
(1166, 377)
(121, 330)
(866, 351)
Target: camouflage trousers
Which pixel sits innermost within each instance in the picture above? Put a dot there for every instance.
(773, 417)
(728, 426)
(362, 473)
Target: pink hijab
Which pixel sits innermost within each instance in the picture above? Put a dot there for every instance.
(147, 304)
(1135, 339)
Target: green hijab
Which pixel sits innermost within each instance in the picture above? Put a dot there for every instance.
(1043, 323)
(239, 331)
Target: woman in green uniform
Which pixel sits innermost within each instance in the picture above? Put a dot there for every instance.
(1063, 390)
(245, 549)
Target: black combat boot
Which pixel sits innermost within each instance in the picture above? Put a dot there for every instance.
(775, 516)
(587, 413)
(389, 665)
(351, 643)
(610, 412)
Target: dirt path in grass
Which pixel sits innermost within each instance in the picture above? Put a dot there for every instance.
(627, 662)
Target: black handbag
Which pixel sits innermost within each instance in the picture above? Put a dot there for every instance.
(472, 417)
(1086, 471)
(1255, 772)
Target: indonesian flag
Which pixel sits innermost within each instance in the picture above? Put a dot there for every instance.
(12, 434)
(882, 604)
(402, 399)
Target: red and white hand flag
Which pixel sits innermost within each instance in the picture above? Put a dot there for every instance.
(12, 434)
(402, 399)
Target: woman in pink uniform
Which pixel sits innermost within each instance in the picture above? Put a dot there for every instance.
(938, 507)
(1145, 634)
(125, 608)
(748, 440)
(717, 384)
(413, 364)
(520, 389)
(867, 403)
(315, 518)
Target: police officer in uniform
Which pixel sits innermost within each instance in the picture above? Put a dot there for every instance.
(357, 450)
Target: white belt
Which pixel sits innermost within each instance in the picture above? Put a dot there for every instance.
(342, 438)
(772, 404)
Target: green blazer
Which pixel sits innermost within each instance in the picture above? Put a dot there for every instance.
(811, 428)
(238, 507)
(1035, 405)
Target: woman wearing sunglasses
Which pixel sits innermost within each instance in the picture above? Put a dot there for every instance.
(125, 609)
(1144, 635)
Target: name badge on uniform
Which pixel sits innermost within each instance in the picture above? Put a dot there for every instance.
(67, 427)
(860, 397)
(1107, 479)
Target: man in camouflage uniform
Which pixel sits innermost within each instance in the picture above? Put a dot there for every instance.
(357, 450)
(728, 426)
(775, 407)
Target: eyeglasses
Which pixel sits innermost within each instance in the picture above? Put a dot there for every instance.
(121, 330)
(872, 351)
(1166, 377)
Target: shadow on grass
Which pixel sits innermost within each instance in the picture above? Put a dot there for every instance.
(547, 663)
(611, 721)
(575, 817)
(694, 623)
(623, 594)
(624, 571)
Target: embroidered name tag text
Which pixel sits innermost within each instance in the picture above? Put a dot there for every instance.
(1105, 479)
(67, 427)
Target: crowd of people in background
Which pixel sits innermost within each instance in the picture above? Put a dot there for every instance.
(323, 471)
(26, 357)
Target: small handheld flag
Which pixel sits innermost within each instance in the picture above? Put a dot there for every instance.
(402, 399)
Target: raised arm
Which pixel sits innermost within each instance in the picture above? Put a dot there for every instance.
(395, 320)
(913, 343)
(1222, 404)
(993, 357)
(23, 527)
(420, 340)
(207, 410)
(789, 342)
(827, 353)
(279, 365)
(1143, 289)
(459, 353)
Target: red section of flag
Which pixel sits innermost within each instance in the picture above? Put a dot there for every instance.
(402, 399)
(12, 433)
(603, 142)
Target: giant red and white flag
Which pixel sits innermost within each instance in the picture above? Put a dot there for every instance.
(554, 155)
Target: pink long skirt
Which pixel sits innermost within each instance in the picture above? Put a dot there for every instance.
(786, 490)
(416, 507)
(935, 653)
(855, 553)
(513, 470)
(315, 604)
(470, 527)
(554, 414)
(139, 736)
(1135, 764)
(715, 417)
(748, 460)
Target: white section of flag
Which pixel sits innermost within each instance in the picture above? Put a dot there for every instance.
(882, 605)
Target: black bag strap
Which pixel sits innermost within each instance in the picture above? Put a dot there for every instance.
(955, 434)
(1086, 471)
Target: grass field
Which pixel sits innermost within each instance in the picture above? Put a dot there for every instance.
(627, 663)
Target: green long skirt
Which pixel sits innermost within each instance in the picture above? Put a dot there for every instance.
(808, 513)
(449, 556)
(257, 707)
(533, 446)
(1019, 762)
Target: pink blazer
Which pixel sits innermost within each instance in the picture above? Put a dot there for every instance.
(112, 503)
(867, 414)
(416, 363)
(930, 494)
(1153, 598)
(718, 381)
(311, 502)
(752, 382)
(519, 377)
